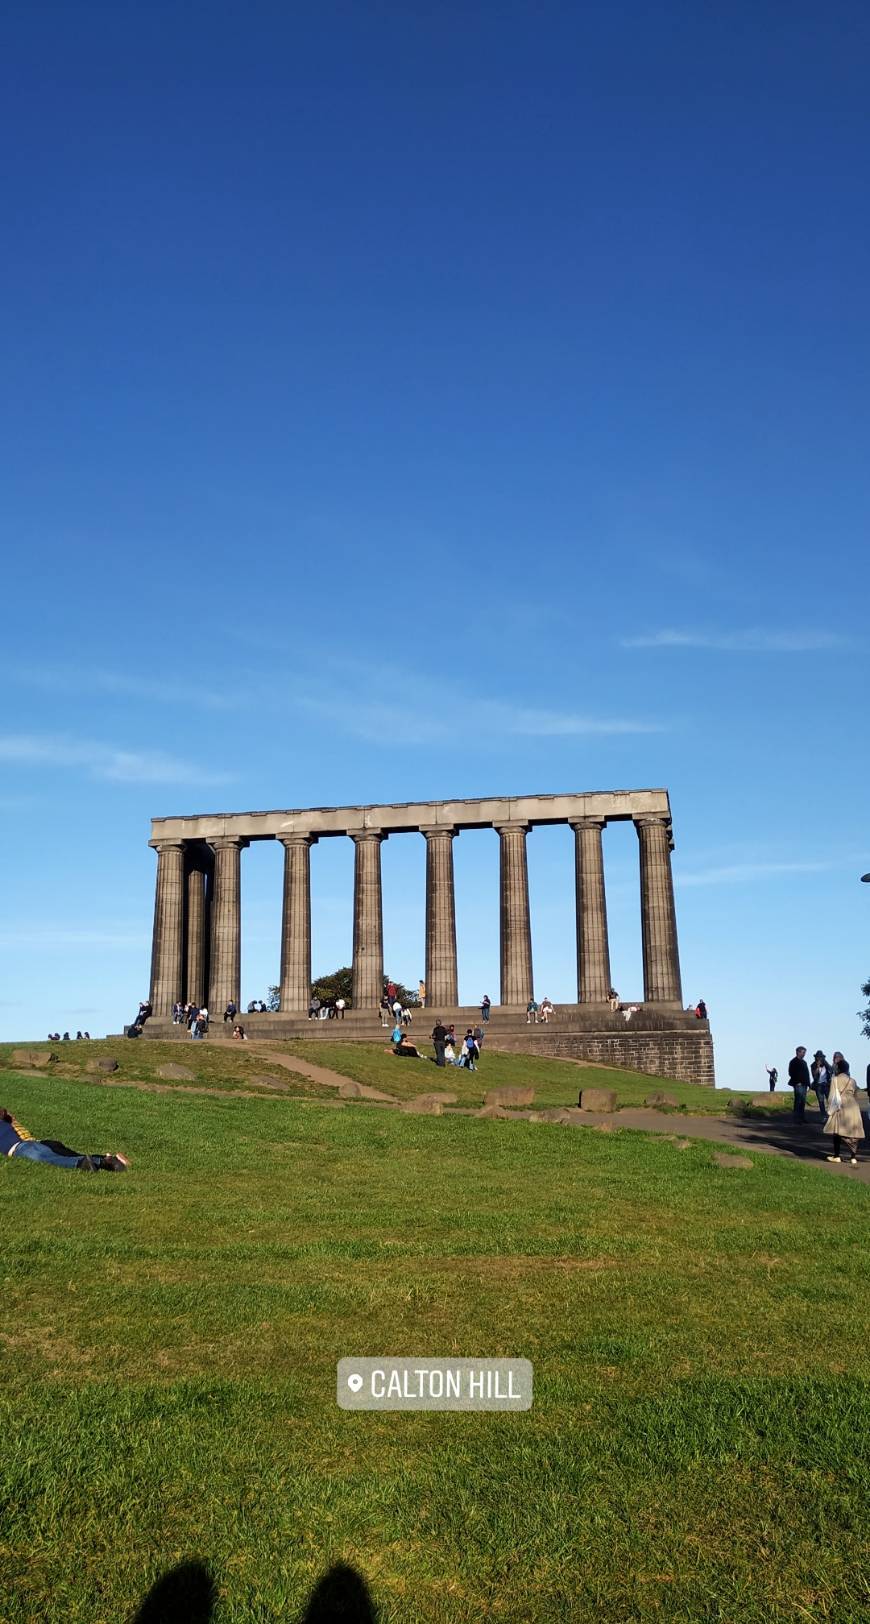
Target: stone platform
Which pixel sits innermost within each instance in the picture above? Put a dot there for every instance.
(661, 1043)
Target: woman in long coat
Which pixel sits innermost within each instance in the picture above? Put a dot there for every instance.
(846, 1124)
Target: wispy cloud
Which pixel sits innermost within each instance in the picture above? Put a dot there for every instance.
(103, 761)
(353, 696)
(753, 640)
(126, 685)
(743, 873)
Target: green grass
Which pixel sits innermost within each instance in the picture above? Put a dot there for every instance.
(556, 1082)
(697, 1446)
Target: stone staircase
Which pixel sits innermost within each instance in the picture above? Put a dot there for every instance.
(659, 1041)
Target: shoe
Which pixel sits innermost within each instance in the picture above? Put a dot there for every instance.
(832, 1158)
(854, 1161)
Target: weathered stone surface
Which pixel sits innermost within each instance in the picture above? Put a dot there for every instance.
(493, 1111)
(737, 1107)
(424, 1105)
(722, 1159)
(263, 1080)
(445, 1099)
(510, 1096)
(659, 1100)
(40, 1058)
(350, 1090)
(553, 1113)
(104, 1064)
(680, 1053)
(176, 1074)
(765, 1100)
(597, 1099)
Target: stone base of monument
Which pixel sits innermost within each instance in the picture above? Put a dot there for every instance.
(659, 1040)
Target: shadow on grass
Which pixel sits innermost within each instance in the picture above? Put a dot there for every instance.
(187, 1595)
(184, 1595)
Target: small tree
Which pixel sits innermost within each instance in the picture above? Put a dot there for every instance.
(338, 984)
(864, 1014)
(273, 1002)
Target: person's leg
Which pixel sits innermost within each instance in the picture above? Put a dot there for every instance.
(33, 1150)
(835, 1152)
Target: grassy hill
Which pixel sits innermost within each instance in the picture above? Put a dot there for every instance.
(243, 1066)
(697, 1446)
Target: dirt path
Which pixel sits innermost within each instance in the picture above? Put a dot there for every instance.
(320, 1074)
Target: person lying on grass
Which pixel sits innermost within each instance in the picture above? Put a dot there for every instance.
(16, 1141)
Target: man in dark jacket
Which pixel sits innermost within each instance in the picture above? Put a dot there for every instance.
(439, 1038)
(799, 1080)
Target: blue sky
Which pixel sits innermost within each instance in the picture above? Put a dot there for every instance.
(404, 402)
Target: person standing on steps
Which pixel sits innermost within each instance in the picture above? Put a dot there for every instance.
(844, 1123)
(439, 1038)
(799, 1080)
(485, 1006)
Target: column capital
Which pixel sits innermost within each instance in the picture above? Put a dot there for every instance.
(587, 823)
(298, 838)
(652, 820)
(360, 836)
(167, 845)
(229, 843)
(430, 830)
(513, 828)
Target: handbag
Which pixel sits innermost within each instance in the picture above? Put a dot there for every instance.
(835, 1098)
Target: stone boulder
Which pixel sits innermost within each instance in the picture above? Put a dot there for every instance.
(739, 1108)
(423, 1105)
(660, 1101)
(763, 1101)
(510, 1096)
(176, 1074)
(722, 1158)
(264, 1080)
(39, 1058)
(105, 1064)
(350, 1090)
(597, 1099)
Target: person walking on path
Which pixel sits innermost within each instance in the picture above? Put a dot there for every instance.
(772, 1077)
(485, 1006)
(821, 1072)
(799, 1080)
(845, 1123)
(439, 1038)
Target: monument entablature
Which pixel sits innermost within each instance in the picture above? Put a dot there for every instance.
(197, 913)
(409, 816)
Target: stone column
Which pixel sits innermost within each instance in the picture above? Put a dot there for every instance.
(226, 925)
(167, 943)
(441, 974)
(593, 950)
(661, 959)
(296, 922)
(368, 921)
(200, 868)
(516, 932)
